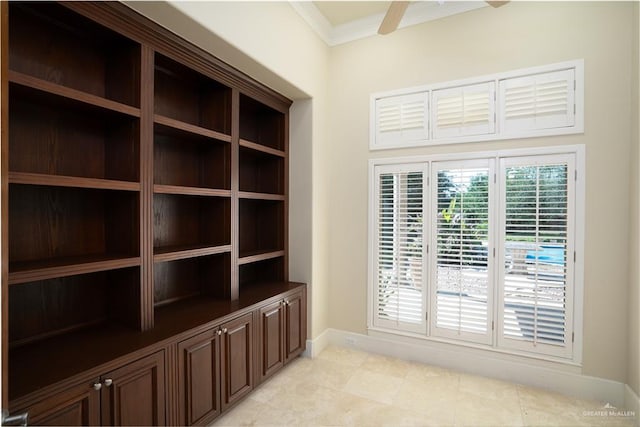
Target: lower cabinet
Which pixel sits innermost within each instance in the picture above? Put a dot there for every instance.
(130, 395)
(215, 370)
(282, 333)
(210, 372)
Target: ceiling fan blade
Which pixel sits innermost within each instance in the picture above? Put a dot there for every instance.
(497, 3)
(393, 17)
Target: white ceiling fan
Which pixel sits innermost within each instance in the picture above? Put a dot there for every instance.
(396, 12)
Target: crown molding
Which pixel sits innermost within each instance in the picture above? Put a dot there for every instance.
(417, 13)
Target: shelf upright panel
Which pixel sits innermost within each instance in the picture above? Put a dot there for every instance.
(234, 291)
(147, 70)
(4, 196)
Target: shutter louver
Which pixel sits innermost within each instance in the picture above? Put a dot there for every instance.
(536, 291)
(401, 119)
(542, 101)
(464, 111)
(399, 266)
(462, 271)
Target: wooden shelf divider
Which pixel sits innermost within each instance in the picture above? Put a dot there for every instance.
(190, 191)
(187, 127)
(255, 257)
(71, 181)
(262, 148)
(173, 253)
(260, 196)
(35, 83)
(23, 272)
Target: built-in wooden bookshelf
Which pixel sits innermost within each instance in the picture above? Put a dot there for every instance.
(143, 174)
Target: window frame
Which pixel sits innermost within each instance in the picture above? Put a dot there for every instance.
(497, 133)
(578, 153)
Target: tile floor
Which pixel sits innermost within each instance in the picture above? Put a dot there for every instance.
(344, 387)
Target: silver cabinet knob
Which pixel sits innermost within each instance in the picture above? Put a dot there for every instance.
(97, 386)
(224, 330)
(108, 382)
(14, 420)
(219, 332)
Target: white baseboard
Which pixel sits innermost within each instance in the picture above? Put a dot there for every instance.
(632, 403)
(465, 360)
(315, 346)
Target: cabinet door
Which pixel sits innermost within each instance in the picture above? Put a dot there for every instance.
(136, 395)
(295, 325)
(199, 378)
(271, 339)
(237, 359)
(76, 406)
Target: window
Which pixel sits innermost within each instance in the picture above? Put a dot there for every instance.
(538, 101)
(461, 297)
(480, 250)
(399, 237)
(401, 118)
(536, 235)
(466, 110)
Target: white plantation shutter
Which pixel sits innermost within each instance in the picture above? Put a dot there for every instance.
(463, 111)
(461, 270)
(401, 119)
(540, 101)
(399, 266)
(536, 280)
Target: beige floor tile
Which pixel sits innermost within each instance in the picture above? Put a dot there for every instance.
(278, 416)
(434, 398)
(553, 403)
(386, 365)
(343, 355)
(474, 410)
(329, 373)
(393, 416)
(246, 413)
(311, 399)
(371, 385)
(348, 410)
(489, 388)
(420, 371)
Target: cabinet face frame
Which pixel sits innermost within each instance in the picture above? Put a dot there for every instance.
(295, 325)
(190, 376)
(271, 339)
(117, 409)
(237, 359)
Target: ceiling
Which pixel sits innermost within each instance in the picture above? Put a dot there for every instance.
(341, 12)
(338, 22)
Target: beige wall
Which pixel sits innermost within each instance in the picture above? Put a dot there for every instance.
(271, 43)
(633, 357)
(482, 42)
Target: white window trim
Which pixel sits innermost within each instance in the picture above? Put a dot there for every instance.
(577, 327)
(497, 135)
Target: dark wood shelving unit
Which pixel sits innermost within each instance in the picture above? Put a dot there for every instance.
(146, 197)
